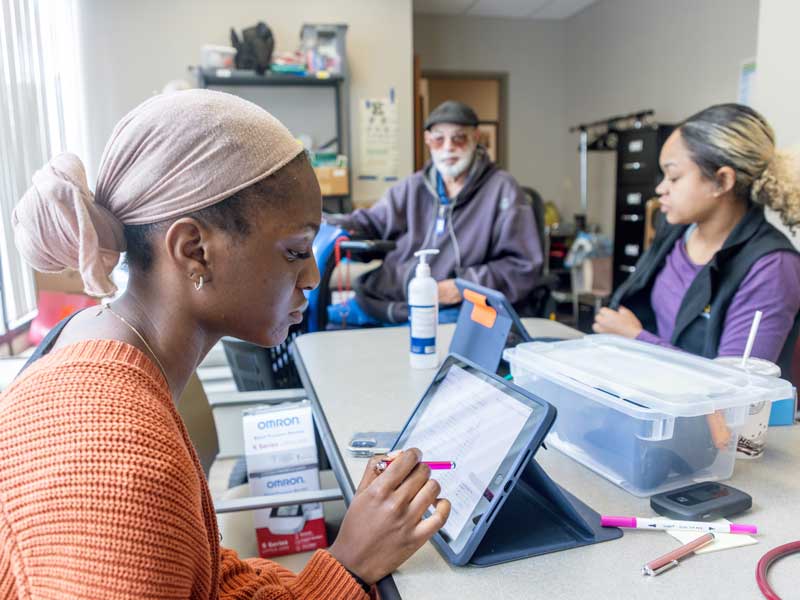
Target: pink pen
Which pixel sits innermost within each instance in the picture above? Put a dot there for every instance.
(665, 525)
(434, 465)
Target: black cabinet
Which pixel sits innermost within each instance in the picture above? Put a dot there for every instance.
(631, 199)
(638, 175)
(637, 154)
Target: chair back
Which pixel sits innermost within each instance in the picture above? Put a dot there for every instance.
(198, 418)
(255, 368)
(651, 212)
(539, 302)
(316, 316)
(602, 275)
(537, 204)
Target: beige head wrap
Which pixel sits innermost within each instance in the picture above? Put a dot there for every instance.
(172, 155)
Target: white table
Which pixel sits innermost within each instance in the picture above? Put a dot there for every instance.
(360, 381)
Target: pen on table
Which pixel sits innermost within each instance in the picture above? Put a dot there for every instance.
(670, 559)
(664, 524)
(435, 465)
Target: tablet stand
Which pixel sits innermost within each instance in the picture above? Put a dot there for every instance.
(481, 331)
(539, 517)
(487, 325)
(482, 345)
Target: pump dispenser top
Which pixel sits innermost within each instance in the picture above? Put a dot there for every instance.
(423, 268)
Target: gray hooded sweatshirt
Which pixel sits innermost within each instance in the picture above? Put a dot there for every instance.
(489, 237)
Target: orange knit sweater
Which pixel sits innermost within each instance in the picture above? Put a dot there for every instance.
(102, 495)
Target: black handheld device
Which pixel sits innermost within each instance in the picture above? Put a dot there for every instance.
(701, 502)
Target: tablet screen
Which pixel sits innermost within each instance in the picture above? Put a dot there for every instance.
(475, 421)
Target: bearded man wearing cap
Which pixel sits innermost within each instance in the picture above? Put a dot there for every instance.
(461, 203)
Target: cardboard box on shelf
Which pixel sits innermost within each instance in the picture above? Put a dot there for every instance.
(281, 454)
(288, 529)
(333, 181)
(68, 281)
(279, 438)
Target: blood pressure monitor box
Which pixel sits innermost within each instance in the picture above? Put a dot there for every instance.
(288, 529)
(281, 456)
(279, 437)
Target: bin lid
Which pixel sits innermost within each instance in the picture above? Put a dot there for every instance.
(630, 372)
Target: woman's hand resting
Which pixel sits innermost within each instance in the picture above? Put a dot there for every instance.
(621, 322)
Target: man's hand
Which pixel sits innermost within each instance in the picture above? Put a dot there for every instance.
(448, 292)
(621, 322)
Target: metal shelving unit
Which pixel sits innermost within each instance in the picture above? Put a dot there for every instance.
(230, 78)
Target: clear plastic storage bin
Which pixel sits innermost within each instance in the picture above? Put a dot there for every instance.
(649, 419)
(217, 57)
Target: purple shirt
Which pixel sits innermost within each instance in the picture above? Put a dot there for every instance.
(772, 286)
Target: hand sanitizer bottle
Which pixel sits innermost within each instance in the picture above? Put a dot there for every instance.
(423, 307)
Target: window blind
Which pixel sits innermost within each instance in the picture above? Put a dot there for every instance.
(39, 73)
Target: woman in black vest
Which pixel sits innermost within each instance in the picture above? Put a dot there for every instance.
(715, 259)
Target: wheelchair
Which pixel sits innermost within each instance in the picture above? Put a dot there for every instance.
(538, 303)
(273, 368)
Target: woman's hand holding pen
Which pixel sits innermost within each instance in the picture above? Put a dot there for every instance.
(384, 524)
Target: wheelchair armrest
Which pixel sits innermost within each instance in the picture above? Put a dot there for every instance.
(368, 245)
(547, 280)
(539, 302)
(367, 250)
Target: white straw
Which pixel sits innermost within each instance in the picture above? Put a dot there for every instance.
(751, 338)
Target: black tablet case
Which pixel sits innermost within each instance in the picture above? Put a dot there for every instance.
(535, 515)
(538, 517)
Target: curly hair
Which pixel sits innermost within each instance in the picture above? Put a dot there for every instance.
(736, 136)
(779, 187)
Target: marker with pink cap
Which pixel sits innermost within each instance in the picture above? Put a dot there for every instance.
(665, 524)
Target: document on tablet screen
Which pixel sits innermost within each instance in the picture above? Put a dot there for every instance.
(473, 423)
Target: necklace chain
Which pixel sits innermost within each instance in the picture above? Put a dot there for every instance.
(139, 335)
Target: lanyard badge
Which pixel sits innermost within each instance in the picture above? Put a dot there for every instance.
(444, 201)
(440, 220)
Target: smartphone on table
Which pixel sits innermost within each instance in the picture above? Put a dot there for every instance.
(369, 443)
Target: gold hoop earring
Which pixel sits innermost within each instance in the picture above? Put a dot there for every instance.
(199, 284)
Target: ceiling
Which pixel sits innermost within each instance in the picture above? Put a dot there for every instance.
(512, 9)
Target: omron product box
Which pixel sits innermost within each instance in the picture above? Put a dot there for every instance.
(281, 454)
(277, 438)
(288, 529)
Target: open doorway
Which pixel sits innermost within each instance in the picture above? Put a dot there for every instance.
(486, 93)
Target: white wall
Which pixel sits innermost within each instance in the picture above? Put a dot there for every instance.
(532, 53)
(615, 56)
(777, 89)
(131, 49)
(675, 57)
